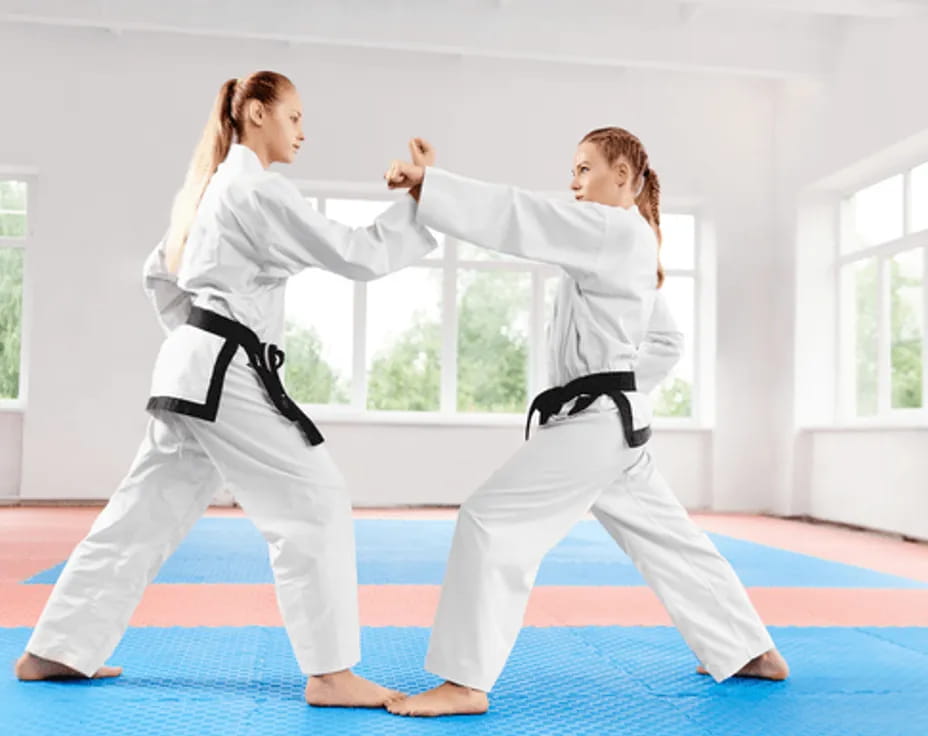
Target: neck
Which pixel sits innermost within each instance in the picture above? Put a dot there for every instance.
(626, 199)
(260, 151)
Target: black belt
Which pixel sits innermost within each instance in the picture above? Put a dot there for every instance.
(266, 359)
(586, 390)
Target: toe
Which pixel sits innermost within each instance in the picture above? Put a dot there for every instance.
(105, 672)
(398, 708)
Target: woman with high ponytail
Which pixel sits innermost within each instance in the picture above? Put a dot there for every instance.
(214, 145)
(612, 341)
(220, 415)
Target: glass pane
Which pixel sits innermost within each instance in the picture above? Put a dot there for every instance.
(493, 325)
(404, 341)
(12, 209)
(863, 283)
(679, 241)
(674, 396)
(318, 341)
(907, 327)
(13, 196)
(355, 212)
(878, 212)
(11, 299)
(918, 203)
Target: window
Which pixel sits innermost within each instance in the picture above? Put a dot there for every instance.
(494, 318)
(877, 214)
(460, 332)
(674, 397)
(907, 327)
(13, 236)
(403, 346)
(918, 198)
(881, 278)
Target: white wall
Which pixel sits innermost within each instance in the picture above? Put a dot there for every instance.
(443, 464)
(110, 132)
(872, 121)
(874, 96)
(873, 479)
(11, 434)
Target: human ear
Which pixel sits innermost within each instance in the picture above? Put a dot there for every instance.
(622, 172)
(255, 112)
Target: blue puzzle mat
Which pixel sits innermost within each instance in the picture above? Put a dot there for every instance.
(636, 681)
(414, 552)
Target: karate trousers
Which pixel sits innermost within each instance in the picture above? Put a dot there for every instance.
(569, 467)
(293, 493)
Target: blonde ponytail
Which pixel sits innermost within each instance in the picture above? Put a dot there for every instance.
(214, 144)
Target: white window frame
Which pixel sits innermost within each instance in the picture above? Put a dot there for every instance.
(356, 410)
(697, 394)
(845, 258)
(30, 177)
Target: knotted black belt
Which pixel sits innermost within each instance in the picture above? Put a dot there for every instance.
(586, 390)
(266, 359)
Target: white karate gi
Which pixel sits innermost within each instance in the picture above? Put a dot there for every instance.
(252, 231)
(609, 316)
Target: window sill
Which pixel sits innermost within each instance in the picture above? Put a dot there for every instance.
(412, 418)
(434, 419)
(327, 415)
(887, 425)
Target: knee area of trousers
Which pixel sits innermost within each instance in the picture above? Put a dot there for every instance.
(333, 500)
(471, 513)
(322, 508)
(476, 522)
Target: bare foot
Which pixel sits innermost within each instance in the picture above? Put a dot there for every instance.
(29, 668)
(346, 690)
(768, 666)
(445, 700)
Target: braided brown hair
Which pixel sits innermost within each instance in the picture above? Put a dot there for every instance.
(614, 143)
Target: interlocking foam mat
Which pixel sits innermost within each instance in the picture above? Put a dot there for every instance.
(414, 552)
(591, 680)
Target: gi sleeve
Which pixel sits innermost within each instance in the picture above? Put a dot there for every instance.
(660, 349)
(295, 236)
(172, 304)
(511, 220)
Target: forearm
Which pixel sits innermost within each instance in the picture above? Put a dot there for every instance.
(512, 220)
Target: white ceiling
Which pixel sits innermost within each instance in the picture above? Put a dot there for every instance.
(774, 39)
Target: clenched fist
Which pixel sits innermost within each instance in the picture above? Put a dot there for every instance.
(422, 152)
(404, 175)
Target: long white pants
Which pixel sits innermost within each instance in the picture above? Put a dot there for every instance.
(292, 492)
(505, 529)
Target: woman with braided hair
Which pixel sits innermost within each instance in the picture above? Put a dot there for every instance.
(612, 341)
(220, 414)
